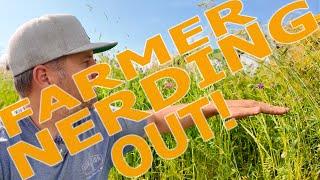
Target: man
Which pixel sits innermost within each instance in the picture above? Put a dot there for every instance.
(49, 50)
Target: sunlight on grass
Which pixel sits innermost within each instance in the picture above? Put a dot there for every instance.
(261, 147)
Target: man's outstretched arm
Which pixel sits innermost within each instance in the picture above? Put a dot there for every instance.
(238, 109)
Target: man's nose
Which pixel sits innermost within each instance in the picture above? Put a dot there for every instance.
(93, 62)
(93, 76)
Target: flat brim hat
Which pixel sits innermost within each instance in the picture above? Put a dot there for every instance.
(46, 38)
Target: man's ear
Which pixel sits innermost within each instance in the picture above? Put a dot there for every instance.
(41, 76)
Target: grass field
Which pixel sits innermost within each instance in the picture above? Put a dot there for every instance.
(261, 147)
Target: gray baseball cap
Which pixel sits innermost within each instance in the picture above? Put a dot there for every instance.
(46, 38)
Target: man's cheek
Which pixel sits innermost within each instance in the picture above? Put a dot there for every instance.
(70, 87)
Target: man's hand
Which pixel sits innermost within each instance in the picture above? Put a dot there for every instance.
(238, 109)
(244, 108)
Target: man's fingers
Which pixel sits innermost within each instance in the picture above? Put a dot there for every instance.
(275, 110)
(241, 103)
(265, 108)
(242, 112)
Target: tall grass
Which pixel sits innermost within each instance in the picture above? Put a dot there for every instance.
(7, 93)
(264, 146)
(261, 147)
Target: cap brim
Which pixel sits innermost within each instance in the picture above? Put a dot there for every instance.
(96, 47)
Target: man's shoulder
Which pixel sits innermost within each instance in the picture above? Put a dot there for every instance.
(124, 122)
(128, 126)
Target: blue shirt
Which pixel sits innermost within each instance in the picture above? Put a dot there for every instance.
(92, 163)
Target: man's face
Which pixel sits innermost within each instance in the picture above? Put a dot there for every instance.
(72, 65)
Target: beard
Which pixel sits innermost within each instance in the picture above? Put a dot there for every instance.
(89, 104)
(70, 87)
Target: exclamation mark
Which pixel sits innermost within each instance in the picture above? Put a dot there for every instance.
(223, 110)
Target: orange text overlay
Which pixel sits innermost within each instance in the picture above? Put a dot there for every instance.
(54, 98)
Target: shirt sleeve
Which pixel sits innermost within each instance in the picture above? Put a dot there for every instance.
(130, 127)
